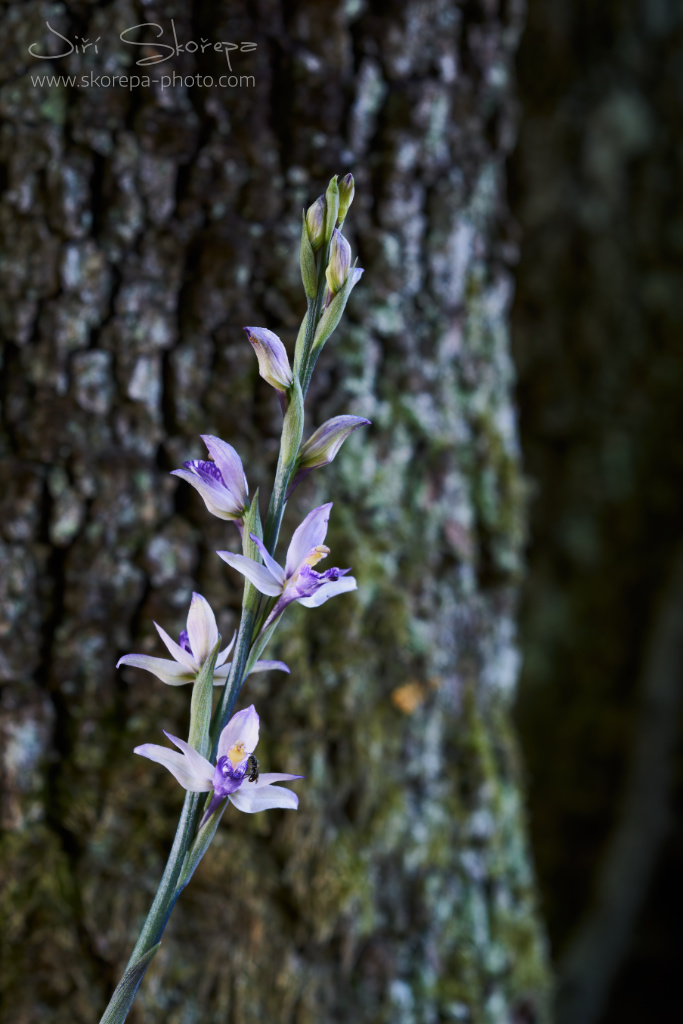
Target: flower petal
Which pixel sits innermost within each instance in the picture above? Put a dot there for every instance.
(273, 567)
(270, 666)
(257, 574)
(311, 532)
(168, 671)
(328, 590)
(273, 361)
(221, 674)
(323, 445)
(266, 778)
(230, 465)
(242, 728)
(218, 499)
(182, 656)
(250, 799)
(194, 774)
(224, 654)
(201, 628)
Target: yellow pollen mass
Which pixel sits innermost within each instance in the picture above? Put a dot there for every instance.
(316, 553)
(237, 753)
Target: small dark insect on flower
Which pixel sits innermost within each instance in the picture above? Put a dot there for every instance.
(252, 768)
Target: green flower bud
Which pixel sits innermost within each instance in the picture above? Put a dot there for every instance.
(315, 223)
(347, 190)
(309, 274)
(323, 445)
(331, 208)
(340, 262)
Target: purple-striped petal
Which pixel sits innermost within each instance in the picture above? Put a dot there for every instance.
(230, 466)
(218, 500)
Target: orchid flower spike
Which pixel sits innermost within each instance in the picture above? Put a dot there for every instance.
(298, 581)
(193, 648)
(221, 483)
(235, 774)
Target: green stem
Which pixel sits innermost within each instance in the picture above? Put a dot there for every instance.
(290, 442)
(277, 504)
(315, 310)
(158, 915)
(233, 683)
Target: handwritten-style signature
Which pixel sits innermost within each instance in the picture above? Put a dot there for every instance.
(168, 50)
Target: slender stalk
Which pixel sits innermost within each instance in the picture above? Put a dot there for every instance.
(290, 442)
(157, 918)
(163, 903)
(315, 311)
(233, 683)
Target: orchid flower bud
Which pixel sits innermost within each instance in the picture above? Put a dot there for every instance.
(323, 445)
(273, 361)
(315, 223)
(340, 261)
(309, 273)
(325, 442)
(347, 190)
(331, 207)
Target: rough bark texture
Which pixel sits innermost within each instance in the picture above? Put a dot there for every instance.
(142, 230)
(597, 342)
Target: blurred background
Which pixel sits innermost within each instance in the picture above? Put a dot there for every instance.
(595, 185)
(119, 210)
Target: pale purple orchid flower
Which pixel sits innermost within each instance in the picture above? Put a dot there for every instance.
(298, 581)
(195, 645)
(221, 483)
(232, 774)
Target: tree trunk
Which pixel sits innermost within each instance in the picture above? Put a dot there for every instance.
(145, 228)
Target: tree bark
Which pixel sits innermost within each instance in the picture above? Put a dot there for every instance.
(144, 228)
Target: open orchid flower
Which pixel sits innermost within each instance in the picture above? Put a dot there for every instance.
(235, 774)
(193, 648)
(298, 581)
(221, 483)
